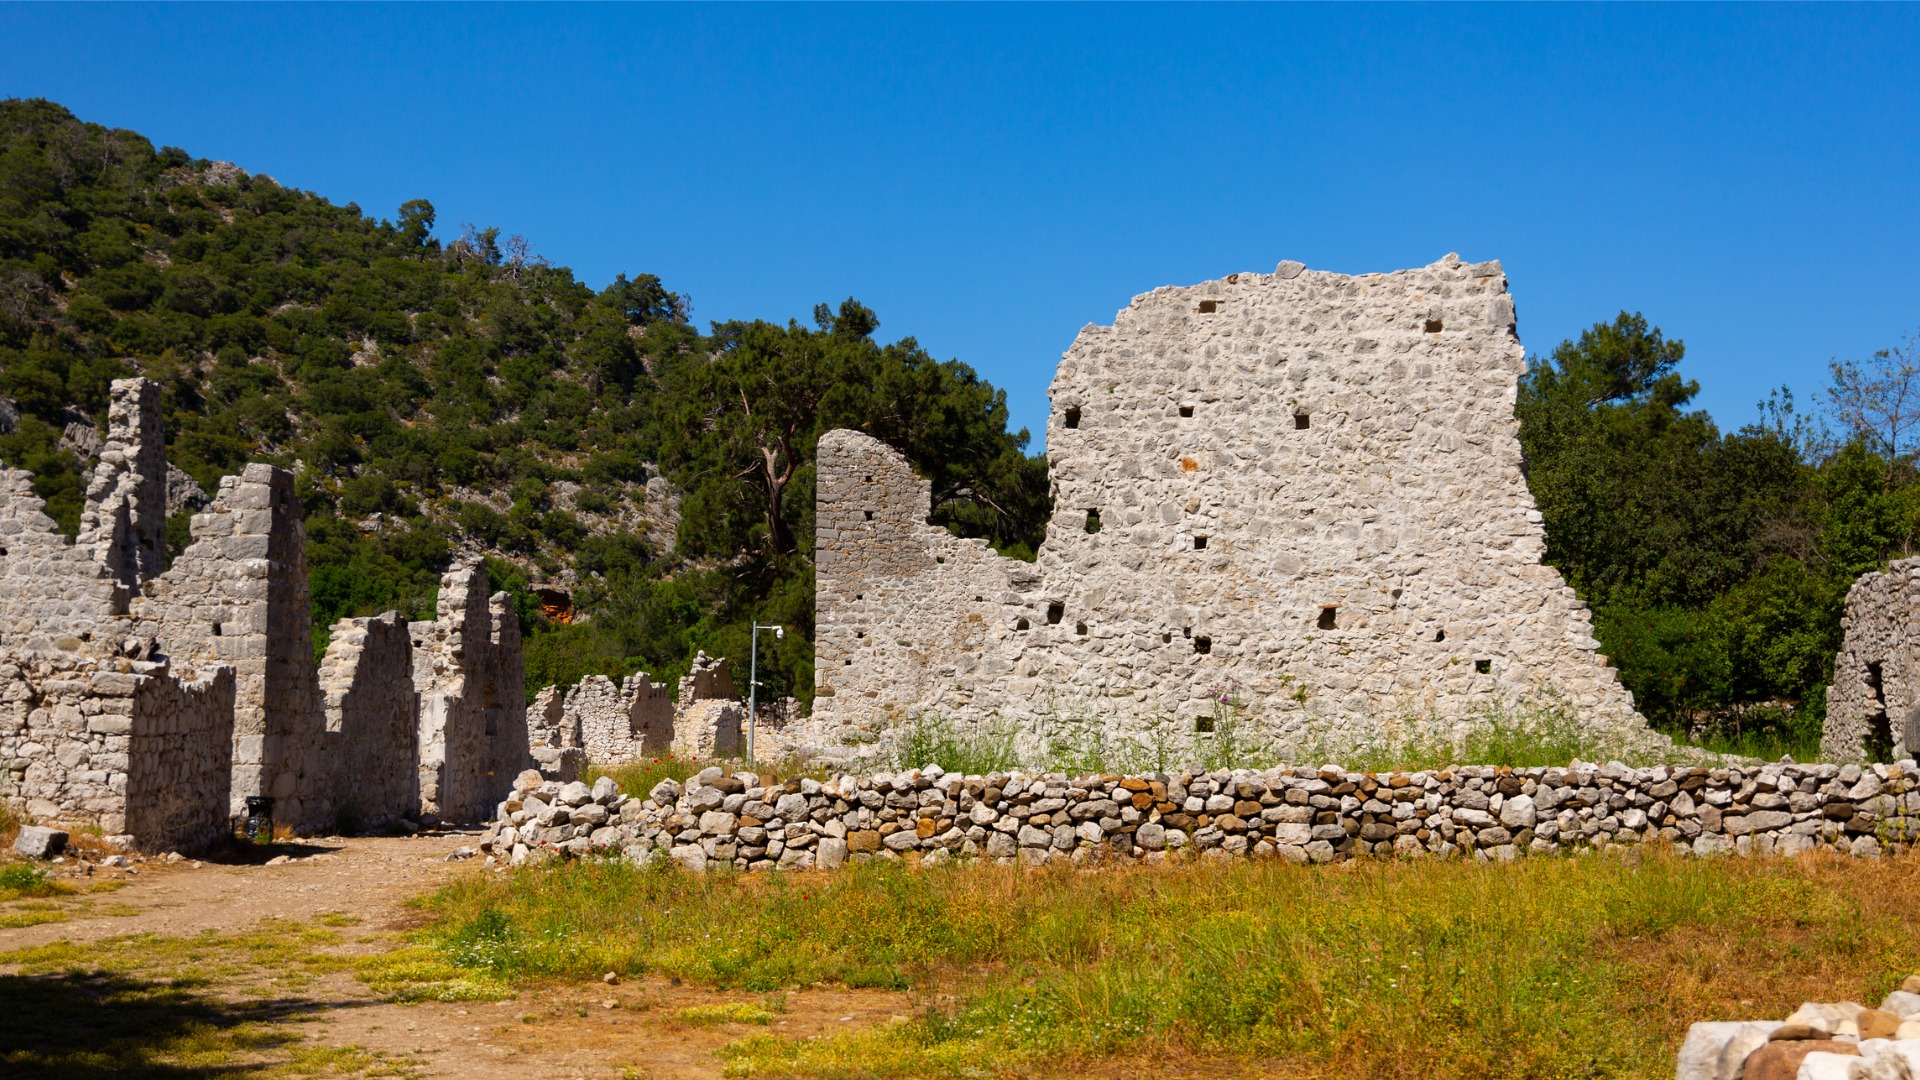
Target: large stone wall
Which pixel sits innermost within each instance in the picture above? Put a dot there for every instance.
(125, 746)
(619, 724)
(1304, 815)
(238, 595)
(468, 670)
(372, 713)
(1874, 700)
(1290, 504)
(233, 612)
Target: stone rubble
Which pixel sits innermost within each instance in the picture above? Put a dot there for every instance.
(1301, 814)
(1819, 1041)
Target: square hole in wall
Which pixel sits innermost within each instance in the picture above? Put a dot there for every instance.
(869, 514)
(1021, 625)
(1203, 645)
(1433, 326)
(1329, 618)
(1186, 411)
(1199, 543)
(1301, 421)
(1166, 638)
(1439, 635)
(1080, 629)
(1071, 418)
(1203, 724)
(1055, 612)
(1484, 667)
(1208, 307)
(1093, 521)
(869, 479)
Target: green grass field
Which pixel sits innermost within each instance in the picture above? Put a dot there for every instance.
(1549, 967)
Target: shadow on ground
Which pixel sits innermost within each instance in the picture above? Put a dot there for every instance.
(86, 1025)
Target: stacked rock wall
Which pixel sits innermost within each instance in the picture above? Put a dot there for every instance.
(126, 746)
(372, 710)
(238, 595)
(1317, 815)
(619, 724)
(468, 670)
(1874, 701)
(1296, 495)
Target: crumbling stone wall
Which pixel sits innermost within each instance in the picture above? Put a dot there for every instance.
(617, 724)
(1322, 814)
(1875, 697)
(468, 670)
(372, 711)
(238, 595)
(126, 746)
(1286, 504)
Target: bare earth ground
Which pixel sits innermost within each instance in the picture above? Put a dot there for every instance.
(551, 1030)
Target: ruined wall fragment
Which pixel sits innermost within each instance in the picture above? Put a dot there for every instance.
(126, 746)
(238, 595)
(1874, 701)
(372, 714)
(620, 724)
(469, 671)
(1286, 505)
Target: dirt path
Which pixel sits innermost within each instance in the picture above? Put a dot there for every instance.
(592, 1029)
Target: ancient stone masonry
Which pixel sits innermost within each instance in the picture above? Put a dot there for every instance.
(1287, 505)
(372, 715)
(1875, 697)
(127, 671)
(125, 746)
(1303, 815)
(468, 671)
(238, 595)
(639, 718)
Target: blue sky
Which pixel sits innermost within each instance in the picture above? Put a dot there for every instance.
(989, 179)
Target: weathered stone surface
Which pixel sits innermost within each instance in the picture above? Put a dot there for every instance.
(1303, 488)
(39, 842)
(1781, 1060)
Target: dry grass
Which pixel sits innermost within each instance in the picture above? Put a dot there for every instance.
(1580, 966)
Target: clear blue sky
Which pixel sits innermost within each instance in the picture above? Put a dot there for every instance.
(989, 179)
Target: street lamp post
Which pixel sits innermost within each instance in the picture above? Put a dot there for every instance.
(753, 683)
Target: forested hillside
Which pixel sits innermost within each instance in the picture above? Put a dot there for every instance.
(434, 398)
(437, 397)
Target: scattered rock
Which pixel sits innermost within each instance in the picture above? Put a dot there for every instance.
(1781, 1060)
(40, 842)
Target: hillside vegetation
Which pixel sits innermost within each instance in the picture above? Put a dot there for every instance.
(443, 396)
(439, 397)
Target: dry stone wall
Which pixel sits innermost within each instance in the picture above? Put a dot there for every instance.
(1304, 815)
(126, 746)
(1875, 696)
(1289, 503)
(372, 712)
(618, 724)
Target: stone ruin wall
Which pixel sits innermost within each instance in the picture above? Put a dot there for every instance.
(1875, 694)
(234, 611)
(468, 671)
(1299, 492)
(372, 716)
(639, 719)
(124, 746)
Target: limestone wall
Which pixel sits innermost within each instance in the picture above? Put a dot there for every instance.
(122, 745)
(1875, 695)
(1287, 503)
(468, 670)
(618, 724)
(366, 680)
(238, 595)
(1303, 815)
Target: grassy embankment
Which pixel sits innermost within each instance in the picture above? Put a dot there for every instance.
(1576, 966)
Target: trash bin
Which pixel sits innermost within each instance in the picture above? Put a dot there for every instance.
(259, 818)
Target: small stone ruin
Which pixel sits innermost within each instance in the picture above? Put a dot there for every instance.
(1874, 700)
(152, 701)
(1288, 508)
(638, 719)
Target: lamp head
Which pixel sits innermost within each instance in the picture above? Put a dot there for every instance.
(779, 632)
